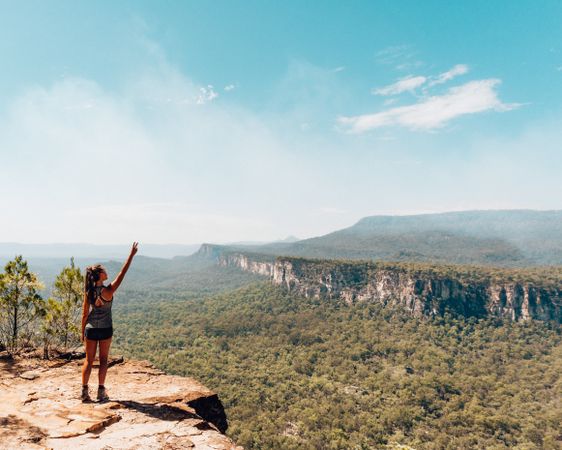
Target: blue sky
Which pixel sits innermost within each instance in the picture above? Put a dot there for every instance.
(222, 121)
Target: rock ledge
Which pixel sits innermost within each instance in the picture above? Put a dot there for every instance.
(41, 408)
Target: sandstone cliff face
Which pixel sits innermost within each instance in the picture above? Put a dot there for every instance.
(41, 409)
(417, 292)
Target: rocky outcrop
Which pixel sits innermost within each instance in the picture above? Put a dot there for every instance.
(41, 409)
(419, 289)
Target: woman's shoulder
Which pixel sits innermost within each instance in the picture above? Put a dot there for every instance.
(107, 289)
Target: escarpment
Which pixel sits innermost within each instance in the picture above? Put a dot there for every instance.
(41, 408)
(421, 289)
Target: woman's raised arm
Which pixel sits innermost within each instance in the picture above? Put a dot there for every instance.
(119, 278)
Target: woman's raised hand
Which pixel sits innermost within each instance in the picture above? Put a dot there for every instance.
(134, 248)
(117, 282)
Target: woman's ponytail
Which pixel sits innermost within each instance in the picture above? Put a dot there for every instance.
(90, 278)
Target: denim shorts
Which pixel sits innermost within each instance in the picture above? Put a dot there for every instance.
(98, 334)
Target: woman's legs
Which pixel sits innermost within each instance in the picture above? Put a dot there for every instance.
(104, 355)
(91, 347)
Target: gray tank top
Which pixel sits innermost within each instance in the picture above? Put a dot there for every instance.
(100, 316)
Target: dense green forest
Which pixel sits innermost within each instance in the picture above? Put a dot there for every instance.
(302, 373)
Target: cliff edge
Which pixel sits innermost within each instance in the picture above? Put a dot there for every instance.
(41, 408)
(420, 289)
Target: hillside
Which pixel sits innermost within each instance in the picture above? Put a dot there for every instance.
(515, 238)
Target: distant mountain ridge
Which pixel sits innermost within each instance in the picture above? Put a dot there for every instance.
(84, 250)
(467, 262)
(506, 238)
(110, 251)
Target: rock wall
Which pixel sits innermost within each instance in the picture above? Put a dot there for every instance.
(419, 292)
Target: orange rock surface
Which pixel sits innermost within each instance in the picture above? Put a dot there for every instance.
(40, 408)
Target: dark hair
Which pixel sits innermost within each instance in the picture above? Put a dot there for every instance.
(90, 279)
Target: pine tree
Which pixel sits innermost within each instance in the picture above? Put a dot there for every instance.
(20, 302)
(63, 308)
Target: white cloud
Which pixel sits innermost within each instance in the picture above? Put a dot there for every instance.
(412, 82)
(82, 163)
(73, 148)
(229, 87)
(435, 111)
(459, 69)
(409, 84)
(206, 95)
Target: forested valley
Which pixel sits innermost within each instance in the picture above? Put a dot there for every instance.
(302, 373)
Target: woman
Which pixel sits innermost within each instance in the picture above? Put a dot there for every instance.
(97, 324)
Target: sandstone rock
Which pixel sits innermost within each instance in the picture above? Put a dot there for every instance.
(420, 294)
(31, 375)
(41, 409)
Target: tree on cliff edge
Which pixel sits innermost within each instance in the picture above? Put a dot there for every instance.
(63, 310)
(20, 303)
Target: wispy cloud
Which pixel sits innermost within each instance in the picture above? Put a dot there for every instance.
(407, 84)
(459, 69)
(229, 87)
(401, 57)
(166, 153)
(413, 82)
(206, 95)
(435, 111)
(389, 55)
(390, 101)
